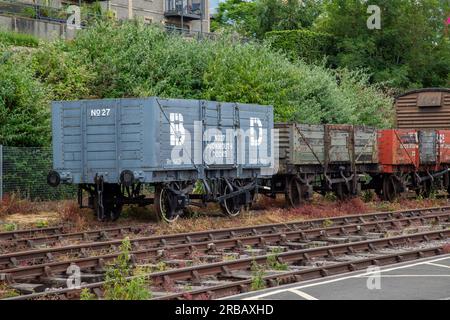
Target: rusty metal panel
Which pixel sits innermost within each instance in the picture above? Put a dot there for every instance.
(398, 147)
(429, 99)
(366, 146)
(443, 142)
(427, 147)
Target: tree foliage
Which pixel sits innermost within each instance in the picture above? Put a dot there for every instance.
(409, 51)
(256, 17)
(303, 44)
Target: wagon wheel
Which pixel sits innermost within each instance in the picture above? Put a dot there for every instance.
(389, 188)
(166, 204)
(230, 207)
(293, 194)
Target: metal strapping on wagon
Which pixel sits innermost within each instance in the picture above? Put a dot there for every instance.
(406, 150)
(307, 143)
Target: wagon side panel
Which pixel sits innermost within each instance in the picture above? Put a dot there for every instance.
(366, 148)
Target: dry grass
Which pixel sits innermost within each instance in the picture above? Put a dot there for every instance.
(74, 217)
(319, 208)
(11, 204)
(6, 292)
(265, 211)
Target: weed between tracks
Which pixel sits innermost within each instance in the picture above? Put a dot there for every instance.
(6, 292)
(258, 273)
(118, 286)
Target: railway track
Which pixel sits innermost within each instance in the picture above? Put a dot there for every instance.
(218, 279)
(16, 240)
(31, 233)
(170, 245)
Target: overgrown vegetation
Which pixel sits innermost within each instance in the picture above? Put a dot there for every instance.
(120, 282)
(86, 294)
(18, 39)
(258, 273)
(273, 262)
(6, 292)
(303, 44)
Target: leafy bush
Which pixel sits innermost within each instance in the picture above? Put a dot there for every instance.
(86, 294)
(304, 44)
(24, 112)
(117, 285)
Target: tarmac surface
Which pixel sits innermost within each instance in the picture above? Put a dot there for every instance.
(425, 279)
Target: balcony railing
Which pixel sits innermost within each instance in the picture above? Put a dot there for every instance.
(188, 9)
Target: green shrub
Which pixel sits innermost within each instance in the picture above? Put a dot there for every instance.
(24, 112)
(273, 263)
(117, 285)
(86, 295)
(302, 44)
(258, 272)
(9, 227)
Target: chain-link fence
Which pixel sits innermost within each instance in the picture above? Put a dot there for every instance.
(23, 172)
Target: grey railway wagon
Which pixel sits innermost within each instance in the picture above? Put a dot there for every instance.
(158, 139)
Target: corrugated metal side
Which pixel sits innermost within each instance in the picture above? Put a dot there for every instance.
(410, 115)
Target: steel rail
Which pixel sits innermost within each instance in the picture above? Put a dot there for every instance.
(225, 269)
(105, 234)
(99, 262)
(29, 233)
(89, 235)
(295, 256)
(243, 286)
(155, 243)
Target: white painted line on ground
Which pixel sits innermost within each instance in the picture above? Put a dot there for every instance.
(438, 265)
(302, 294)
(270, 293)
